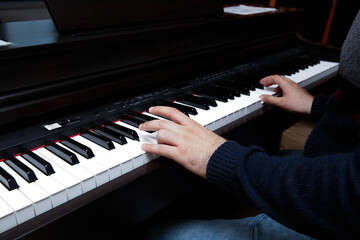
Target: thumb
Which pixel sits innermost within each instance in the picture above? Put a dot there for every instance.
(270, 99)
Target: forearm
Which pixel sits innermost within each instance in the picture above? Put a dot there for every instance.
(308, 195)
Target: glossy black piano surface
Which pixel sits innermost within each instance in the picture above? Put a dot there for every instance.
(84, 85)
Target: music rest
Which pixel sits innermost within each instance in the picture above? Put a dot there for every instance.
(70, 15)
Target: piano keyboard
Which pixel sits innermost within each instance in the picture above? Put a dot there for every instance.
(39, 179)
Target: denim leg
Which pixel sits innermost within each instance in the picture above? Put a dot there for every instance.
(260, 227)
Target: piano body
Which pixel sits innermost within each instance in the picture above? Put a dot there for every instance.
(71, 101)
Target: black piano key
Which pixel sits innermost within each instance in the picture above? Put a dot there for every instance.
(247, 84)
(233, 92)
(62, 153)
(122, 130)
(98, 139)
(143, 117)
(198, 102)
(242, 89)
(7, 180)
(112, 135)
(209, 101)
(213, 95)
(134, 122)
(41, 164)
(23, 170)
(226, 93)
(182, 108)
(77, 147)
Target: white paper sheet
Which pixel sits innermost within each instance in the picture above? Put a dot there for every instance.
(4, 43)
(247, 10)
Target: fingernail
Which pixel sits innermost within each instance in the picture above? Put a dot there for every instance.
(150, 109)
(143, 146)
(140, 126)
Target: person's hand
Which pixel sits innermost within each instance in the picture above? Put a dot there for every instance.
(182, 139)
(294, 98)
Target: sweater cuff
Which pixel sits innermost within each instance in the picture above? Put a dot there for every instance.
(222, 164)
(318, 106)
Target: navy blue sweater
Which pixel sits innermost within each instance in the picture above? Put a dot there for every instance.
(318, 194)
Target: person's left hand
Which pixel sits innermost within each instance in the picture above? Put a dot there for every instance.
(182, 139)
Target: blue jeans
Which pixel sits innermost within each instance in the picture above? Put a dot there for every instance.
(260, 227)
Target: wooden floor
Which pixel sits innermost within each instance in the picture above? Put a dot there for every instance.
(295, 136)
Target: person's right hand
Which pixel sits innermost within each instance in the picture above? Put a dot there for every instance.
(293, 98)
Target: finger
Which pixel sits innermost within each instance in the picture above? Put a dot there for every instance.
(277, 90)
(270, 99)
(156, 125)
(269, 80)
(160, 149)
(168, 137)
(170, 113)
(275, 79)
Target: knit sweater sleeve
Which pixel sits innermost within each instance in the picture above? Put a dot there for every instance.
(314, 196)
(318, 106)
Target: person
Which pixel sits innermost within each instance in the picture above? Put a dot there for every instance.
(316, 195)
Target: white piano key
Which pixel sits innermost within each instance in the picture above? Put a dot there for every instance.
(56, 191)
(144, 137)
(87, 179)
(71, 183)
(203, 117)
(22, 206)
(133, 150)
(98, 170)
(104, 157)
(7, 216)
(40, 199)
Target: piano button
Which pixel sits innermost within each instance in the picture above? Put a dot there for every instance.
(93, 166)
(7, 180)
(7, 216)
(38, 162)
(86, 178)
(64, 154)
(57, 192)
(21, 169)
(122, 130)
(39, 198)
(98, 139)
(70, 182)
(77, 147)
(195, 101)
(20, 204)
(105, 157)
(112, 135)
